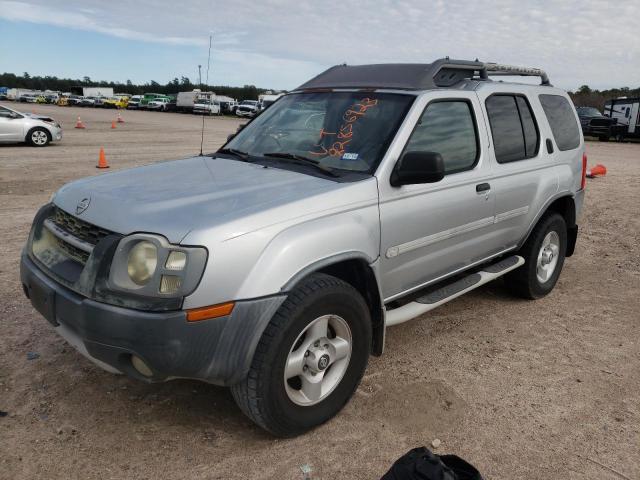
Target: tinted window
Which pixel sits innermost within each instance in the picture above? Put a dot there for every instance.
(447, 128)
(529, 127)
(562, 121)
(508, 140)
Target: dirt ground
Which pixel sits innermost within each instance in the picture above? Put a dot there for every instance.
(523, 390)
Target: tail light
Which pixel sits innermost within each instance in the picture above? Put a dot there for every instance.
(583, 182)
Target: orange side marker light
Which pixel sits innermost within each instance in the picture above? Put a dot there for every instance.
(213, 311)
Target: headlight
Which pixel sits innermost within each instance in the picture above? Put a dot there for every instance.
(143, 259)
(148, 265)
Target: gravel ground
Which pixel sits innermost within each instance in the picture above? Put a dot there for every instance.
(535, 390)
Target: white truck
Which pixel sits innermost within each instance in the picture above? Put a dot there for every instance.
(206, 105)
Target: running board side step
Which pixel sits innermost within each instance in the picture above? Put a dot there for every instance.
(453, 290)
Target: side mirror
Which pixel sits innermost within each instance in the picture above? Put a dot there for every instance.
(418, 167)
(230, 137)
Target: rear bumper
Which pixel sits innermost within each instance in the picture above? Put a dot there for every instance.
(217, 351)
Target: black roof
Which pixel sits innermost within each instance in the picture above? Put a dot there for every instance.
(412, 76)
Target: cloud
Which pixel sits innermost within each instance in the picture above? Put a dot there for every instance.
(572, 40)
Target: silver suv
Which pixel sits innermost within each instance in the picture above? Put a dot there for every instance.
(366, 197)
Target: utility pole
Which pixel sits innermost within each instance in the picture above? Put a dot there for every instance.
(200, 76)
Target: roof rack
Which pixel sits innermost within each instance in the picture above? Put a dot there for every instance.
(444, 72)
(512, 70)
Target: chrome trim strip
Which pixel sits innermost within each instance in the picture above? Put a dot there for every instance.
(438, 237)
(501, 217)
(67, 237)
(452, 232)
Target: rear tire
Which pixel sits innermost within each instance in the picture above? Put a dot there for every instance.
(38, 137)
(544, 254)
(301, 377)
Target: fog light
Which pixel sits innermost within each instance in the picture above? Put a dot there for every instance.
(170, 284)
(140, 366)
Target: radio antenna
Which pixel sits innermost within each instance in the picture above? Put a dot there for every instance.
(207, 80)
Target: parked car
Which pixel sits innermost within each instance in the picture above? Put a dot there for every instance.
(36, 130)
(28, 98)
(206, 106)
(229, 106)
(117, 101)
(88, 102)
(149, 97)
(134, 102)
(247, 108)
(51, 98)
(75, 100)
(159, 104)
(367, 197)
(594, 123)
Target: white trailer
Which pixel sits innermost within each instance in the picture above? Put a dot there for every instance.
(627, 113)
(186, 100)
(97, 91)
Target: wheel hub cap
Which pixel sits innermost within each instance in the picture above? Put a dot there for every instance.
(318, 360)
(548, 256)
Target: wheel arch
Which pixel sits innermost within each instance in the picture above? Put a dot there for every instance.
(565, 205)
(353, 268)
(27, 137)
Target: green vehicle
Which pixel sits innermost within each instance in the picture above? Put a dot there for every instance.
(148, 97)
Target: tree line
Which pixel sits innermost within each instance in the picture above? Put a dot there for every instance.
(586, 97)
(182, 84)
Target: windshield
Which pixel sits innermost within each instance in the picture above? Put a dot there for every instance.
(589, 112)
(248, 102)
(344, 130)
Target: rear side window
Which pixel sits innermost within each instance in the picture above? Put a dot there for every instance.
(513, 128)
(562, 121)
(448, 128)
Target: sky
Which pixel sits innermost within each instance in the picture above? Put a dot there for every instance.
(281, 43)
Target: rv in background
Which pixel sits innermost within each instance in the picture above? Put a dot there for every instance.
(627, 113)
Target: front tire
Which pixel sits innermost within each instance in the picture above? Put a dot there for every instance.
(544, 254)
(38, 137)
(310, 359)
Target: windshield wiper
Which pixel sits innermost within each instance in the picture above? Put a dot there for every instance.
(303, 160)
(244, 156)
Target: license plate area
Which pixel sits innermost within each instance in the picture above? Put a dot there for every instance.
(43, 299)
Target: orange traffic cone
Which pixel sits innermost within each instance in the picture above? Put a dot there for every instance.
(102, 160)
(120, 120)
(79, 124)
(597, 171)
(113, 124)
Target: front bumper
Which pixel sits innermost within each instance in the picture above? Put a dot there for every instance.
(217, 351)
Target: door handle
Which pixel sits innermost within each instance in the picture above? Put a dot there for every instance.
(483, 187)
(549, 146)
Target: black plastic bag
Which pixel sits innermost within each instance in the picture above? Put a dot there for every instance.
(422, 464)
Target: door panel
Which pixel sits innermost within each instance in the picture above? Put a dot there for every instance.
(11, 130)
(431, 230)
(522, 187)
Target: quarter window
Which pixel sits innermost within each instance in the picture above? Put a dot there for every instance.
(448, 128)
(562, 121)
(513, 128)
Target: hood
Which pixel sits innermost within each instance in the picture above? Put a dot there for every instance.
(172, 198)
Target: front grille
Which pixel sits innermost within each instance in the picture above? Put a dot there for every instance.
(600, 122)
(73, 252)
(79, 228)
